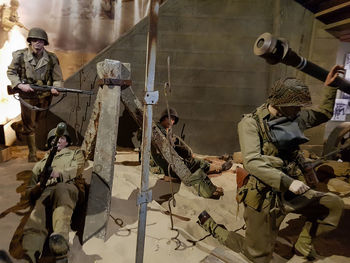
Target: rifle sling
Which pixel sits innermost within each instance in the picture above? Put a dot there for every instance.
(35, 108)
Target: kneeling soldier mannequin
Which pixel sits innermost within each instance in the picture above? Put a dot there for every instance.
(269, 140)
(59, 198)
(199, 168)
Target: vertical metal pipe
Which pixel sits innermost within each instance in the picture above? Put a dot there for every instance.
(147, 128)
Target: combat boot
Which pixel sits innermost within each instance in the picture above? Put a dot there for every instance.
(18, 128)
(226, 166)
(304, 246)
(208, 224)
(58, 242)
(230, 239)
(207, 189)
(32, 148)
(59, 247)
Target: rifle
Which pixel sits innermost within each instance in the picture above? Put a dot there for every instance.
(308, 167)
(182, 135)
(44, 176)
(43, 88)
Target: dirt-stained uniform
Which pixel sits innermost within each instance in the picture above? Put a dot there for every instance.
(266, 196)
(59, 198)
(199, 168)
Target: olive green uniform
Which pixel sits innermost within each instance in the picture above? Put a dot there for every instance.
(43, 71)
(266, 197)
(59, 197)
(197, 167)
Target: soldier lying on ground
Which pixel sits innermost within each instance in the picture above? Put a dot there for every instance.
(60, 197)
(199, 168)
(269, 139)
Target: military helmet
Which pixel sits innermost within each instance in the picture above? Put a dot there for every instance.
(38, 33)
(289, 92)
(51, 136)
(172, 112)
(14, 3)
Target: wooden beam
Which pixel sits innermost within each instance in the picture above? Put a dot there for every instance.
(337, 28)
(100, 191)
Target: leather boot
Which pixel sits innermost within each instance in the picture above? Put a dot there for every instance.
(230, 239)
(58, 242)
(32, 148)
(304, 246)
(18, 128)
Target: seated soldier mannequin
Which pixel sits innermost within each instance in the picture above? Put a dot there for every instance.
(59, 198)
(198, 167)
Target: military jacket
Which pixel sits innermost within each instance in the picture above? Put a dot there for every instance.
(45, 71)
(260, 157)
(69, 163)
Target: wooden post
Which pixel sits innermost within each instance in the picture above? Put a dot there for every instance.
(100, 191)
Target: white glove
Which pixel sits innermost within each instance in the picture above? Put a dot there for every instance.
(298, 187)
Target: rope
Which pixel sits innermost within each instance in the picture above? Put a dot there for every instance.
(167, 85)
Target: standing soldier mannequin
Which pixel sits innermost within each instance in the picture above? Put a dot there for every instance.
(269, 139)
(9, 19)
(34, 65)
(59, 198)
(199, 168)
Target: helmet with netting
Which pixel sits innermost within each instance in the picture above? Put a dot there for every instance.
(38, 33)
(289, 92)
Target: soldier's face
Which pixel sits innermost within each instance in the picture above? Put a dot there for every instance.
(62, 143)
(166, 123)
(37, 45)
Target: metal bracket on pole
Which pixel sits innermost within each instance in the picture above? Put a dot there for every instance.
(144, 197)
(151, 97)
(115, 82)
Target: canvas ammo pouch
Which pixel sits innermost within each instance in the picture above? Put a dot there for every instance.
(286, 134)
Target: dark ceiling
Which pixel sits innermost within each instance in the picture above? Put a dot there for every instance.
(335, 14)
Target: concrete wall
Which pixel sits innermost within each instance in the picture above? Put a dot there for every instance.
(215, 76)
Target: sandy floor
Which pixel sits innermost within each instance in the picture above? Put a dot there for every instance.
(120, 244)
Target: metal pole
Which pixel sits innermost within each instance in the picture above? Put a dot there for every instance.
(151, 97)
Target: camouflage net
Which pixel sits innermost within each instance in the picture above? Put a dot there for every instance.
(289, 92)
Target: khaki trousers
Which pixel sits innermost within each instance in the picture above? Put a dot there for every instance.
(36, 229)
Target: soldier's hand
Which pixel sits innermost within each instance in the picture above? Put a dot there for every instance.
(25, 87)
(55, 174)
(298, 187)
(333, 74)
(54, 92)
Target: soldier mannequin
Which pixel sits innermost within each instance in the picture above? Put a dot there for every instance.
(199, 168)
(9, 19)
(34, 65)
(59, 197)
(276, 185)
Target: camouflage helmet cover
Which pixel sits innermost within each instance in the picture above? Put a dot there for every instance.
(289, 92)
(172, 112)
(51, 136)
(38, 33)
